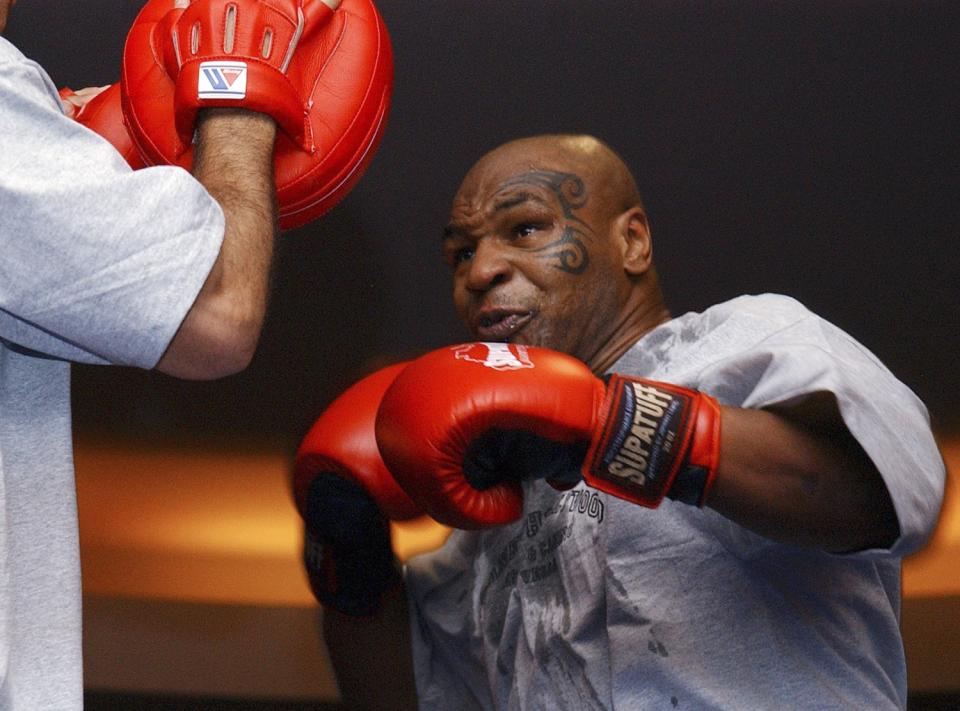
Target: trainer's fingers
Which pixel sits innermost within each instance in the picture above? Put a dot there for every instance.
(75, 101)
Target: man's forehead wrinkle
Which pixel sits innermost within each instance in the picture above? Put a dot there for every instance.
(500, 177)
(466, 216)
(528, 184)
(516, 198)
(478, 202)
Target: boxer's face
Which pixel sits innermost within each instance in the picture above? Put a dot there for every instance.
(532, 256)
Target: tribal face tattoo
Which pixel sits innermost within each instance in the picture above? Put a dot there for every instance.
(532, 258)
(568, 253)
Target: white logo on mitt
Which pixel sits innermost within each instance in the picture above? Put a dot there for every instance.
(222, 80)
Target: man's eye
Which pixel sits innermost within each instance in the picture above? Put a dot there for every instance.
(457, 257)
(525, 229)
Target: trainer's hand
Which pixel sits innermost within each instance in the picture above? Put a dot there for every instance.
(345, 495)
(461, 426)
(74, 101)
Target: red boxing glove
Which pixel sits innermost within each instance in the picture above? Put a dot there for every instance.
(461, 426)
(103, 115)
(345, 495)
(323, 70)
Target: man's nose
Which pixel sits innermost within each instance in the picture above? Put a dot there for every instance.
(488, 267)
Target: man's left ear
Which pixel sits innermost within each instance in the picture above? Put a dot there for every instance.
(633, 234)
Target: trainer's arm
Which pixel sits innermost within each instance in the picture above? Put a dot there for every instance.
(371, 656)
(233, 159)
(798, 476)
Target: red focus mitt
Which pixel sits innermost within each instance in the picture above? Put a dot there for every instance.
(102, 114)
(322, 70)
(461, 426)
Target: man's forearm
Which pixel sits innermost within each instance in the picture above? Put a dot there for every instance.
(233, 159)
(372, 657)
(801, 484)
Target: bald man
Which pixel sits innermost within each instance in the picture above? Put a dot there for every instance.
(779, 590)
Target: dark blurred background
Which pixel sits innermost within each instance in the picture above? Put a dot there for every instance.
(809, 148)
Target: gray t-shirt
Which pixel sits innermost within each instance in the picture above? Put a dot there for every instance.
(591, 602)
(98, 264)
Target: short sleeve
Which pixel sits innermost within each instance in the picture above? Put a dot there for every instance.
(804, 354)
(100, 263)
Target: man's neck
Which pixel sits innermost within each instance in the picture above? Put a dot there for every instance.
(641, 315)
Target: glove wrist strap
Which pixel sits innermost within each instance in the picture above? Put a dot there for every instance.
(654, 440)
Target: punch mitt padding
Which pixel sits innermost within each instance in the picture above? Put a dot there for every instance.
(324, 72)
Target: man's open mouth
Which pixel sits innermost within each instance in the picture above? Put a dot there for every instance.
(501, 325)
